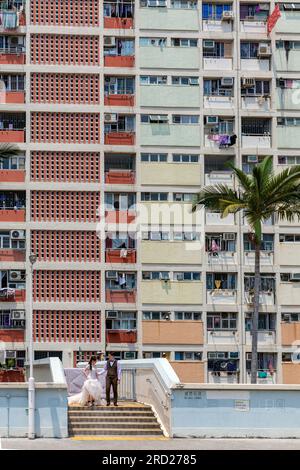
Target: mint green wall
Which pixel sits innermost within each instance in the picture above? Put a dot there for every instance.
(290, 65)
(170, 95)
(288, 99)
(288, 137)
(169, 57)
(288, 22)
(169, 19)
(170, 134)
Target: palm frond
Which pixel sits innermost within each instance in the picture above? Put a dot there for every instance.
(8, 150)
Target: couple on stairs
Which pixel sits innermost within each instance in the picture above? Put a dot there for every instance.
(92, 389)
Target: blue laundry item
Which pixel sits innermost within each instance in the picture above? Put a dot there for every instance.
(9, 20)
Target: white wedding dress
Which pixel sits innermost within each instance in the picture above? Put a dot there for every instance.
(92, 387)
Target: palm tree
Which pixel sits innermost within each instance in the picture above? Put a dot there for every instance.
(8, 150)
(259, 196)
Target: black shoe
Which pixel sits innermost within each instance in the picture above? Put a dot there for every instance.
(107, 404)
(116, 404)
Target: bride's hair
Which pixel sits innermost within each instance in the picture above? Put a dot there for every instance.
(92, 359)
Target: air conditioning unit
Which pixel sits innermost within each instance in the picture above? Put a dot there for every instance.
(112, 314)
(295, 277)
(248, 82)
(18, 314)
(164, 276)
(109, 41)
(212, 120)
(111, 275)
(264, 50)
(17, 234)
(227, 15)
(166, 316)
(16, 276)
(108, 117)
(227, 81)
(229, 236)
(10, 354)
(286, 317)
(252, 159)
(208, 44)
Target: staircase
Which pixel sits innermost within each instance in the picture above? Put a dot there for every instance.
(128, 419)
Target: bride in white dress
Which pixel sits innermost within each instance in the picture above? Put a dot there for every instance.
(92, 389)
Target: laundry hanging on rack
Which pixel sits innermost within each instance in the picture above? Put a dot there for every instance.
(9, 20)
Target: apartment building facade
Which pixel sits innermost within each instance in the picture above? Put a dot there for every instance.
(120, 105)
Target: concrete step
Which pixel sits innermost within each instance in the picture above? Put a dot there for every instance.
(108, 409)
(111, 419)
(114, 432)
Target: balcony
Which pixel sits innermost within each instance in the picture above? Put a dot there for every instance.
(223, 377)
(12, 335)
(12, 97)
(221, 258)
(214, 218)
(256, 133)
(12, 215)
(121, 336)
(170, 173)
(266, 258)
(11, 255)
(168, 19)
(253, 26)
(170, 135)
(219, 177)
(217, 63)
(170, 95)
(170, 57)
(265, 338)
(121, 256)
(119, 60)
(171, 292)
(119, 168)
(217, 337)
(113, 176)
(175, 252)
(217, 25)
(10, 56)
(221, 296)
(265, 298)
(256, 103)
(12, 136)
(120, 217)
(119, 138)
(12, 295)
(12, 176)
(264, 376)
(172, 332)
(120, 296)
(119, 100)
(255, 65)
(218, 102)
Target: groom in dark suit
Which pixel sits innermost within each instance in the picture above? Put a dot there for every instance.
(113, 375)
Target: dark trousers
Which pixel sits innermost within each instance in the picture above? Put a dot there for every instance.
(112, 382)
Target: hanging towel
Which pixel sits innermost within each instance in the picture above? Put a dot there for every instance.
(9, 20)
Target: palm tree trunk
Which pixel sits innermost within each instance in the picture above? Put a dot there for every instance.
(255, 314)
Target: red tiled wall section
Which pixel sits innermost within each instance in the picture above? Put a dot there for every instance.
(66, 326)
(50, 245)
(66, 286)
(65, 13)
(81, 128)
(65, 166)
(65, 88)
(52, 49)
(65, 206)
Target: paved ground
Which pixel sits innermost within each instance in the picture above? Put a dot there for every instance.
(166, 444)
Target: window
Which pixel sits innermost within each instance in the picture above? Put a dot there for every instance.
(123, 321)
(289, 160)
(45, 354)
(119, 201)
(226, 362)
(156, 42)
(185, 158)
(155, 236)
(289, 238)
(182, 42)
(221, 321)
(154, 197)
(119, 85)
(13, 82)
(261, 87)
(288, 45)
(286, 357)
(215, 87)
(214, 11)
(184, 81)
(153, 3)
(12, 163)
(267, 283)
(6, 242)
(154, 118)
(183, 197)
(249, 50)
(155, 275)
(194, 316)
(221, 281)
(216, 49)
(188, 356)
(153, 79)
(290, 317)
(252, 126)
(186, 276)
(185, 119)
(266, 322)
(153, 354)
(154, 157)
(171, 236)
(116, 280)
(123, 47)
(252, 11)
(288, 121)
(267, 243)
(156, 316)
(184, 4)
